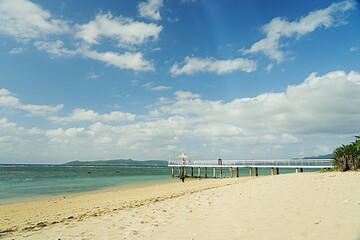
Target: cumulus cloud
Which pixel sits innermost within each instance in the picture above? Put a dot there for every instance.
(25, 20)
(11, 129)
(193, 65)
(321, 104)
(278, 29)
(127, 60)
(126, 32)
(80, 114)
(9, 100)
(150, 9)
(123, 30)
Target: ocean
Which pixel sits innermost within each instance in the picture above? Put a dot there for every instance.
(19, 183)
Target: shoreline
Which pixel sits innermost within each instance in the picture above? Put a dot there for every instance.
(35, 215)
(289, 206)
(118, 187)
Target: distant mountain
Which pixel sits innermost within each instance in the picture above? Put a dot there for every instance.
(119, 162)
(326, 156)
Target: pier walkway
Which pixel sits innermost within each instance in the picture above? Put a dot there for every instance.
(233, 165)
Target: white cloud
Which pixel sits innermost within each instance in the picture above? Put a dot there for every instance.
(289, 138)
(193, 65)
(4, 92)
(41, 110)
(11, 128)
(8, 100)
(278, 28)
(319, 104)
(70, 132)
(124, 30)
(25, 20)
(150, 86)
(180, 95)
(17, 142)
(150, 9)
(92, 75)
(269, 67)
(133, 61)
(17, 50)
(127, 60)
(187, 1)
(80, 114)
(55, 49)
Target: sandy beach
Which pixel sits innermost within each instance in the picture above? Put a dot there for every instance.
(289, 206)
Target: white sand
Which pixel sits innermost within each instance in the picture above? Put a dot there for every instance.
(292, 206)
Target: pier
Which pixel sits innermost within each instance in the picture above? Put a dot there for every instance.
(186, 167)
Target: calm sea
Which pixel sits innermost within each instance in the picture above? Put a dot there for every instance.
(20, 183)
(23, 182)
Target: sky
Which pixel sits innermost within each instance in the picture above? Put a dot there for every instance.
(149, 79)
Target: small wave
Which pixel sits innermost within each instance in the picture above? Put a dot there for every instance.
(28, 179)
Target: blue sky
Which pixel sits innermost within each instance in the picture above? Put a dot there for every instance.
(88, 80)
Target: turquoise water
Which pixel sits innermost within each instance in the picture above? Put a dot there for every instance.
(20, 183)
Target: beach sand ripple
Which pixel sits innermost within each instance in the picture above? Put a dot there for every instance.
(290, 206)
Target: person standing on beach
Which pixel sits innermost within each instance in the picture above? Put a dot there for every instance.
(182, 174)
(182, 178)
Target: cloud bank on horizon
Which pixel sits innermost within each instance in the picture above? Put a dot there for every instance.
(151, 78)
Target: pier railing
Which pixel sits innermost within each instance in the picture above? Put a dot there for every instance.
(278, 163)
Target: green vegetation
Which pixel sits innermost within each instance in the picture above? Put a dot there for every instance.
(347, 157)
(119, 162)
(327, 170)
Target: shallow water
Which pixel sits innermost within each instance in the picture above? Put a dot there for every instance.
(20, 183)
(27, 181)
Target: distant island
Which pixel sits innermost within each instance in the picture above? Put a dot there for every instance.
(326, 156)
(119, 162)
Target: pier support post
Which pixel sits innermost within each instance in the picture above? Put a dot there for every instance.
(172, 172)
(237, 172)
(199, 172)
(250, 171)
(205, 172)
(185, 172)
(272, 171)
(214, 173)
(231, 172)
(179, 171)
(277, 171)
(192, 171)
(221, 172)
(256, 171)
